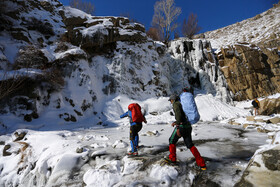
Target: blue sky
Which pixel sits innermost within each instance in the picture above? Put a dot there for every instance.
(211, 14)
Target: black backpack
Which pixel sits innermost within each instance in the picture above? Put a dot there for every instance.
(255, 104)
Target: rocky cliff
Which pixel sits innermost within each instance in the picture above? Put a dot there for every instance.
(250, 71)
(81, 61)
(248, 54)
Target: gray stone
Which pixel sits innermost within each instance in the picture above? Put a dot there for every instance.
(271, 159)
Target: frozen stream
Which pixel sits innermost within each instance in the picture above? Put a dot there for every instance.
(226, 149)
(97, 157)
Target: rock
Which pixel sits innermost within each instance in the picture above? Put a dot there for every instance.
(99, 34)
(275, 120)
(271, 159)
(250, 118)
(263, 130)
(232, 122)
(31, 57)
(19, 136)
(252, 125)
(153, 113)
(151, 133)
(236, 123)
(79, 150)
(259, 120)
(249, 71)
(5, 152)
(245, 125)
(263, 169)
(270, 106)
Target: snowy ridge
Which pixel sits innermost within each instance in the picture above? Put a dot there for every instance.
(254, 30)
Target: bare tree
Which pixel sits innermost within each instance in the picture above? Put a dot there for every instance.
(176, 34)
(165, 16)
(85, 6)
(190, 28)
(10, 85)
(154, 33)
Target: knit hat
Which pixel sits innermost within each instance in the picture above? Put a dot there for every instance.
(173, 97)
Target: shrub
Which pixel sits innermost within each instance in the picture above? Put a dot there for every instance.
(30, 57)
(10, 85)
(54, 77)
(42, 27)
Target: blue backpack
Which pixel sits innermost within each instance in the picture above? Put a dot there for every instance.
(189, 107)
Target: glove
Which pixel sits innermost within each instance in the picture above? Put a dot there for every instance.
(173, 124)
(178, 132)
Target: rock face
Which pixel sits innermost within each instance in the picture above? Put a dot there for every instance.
(197, 66)
(250, 60)
(98, 56)
(270, 106)
(250, 71)
(95, 34)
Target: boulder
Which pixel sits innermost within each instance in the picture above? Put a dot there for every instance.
(275, 120)
(270, 106)
(250, 118)
(262, 170)
(5, 150)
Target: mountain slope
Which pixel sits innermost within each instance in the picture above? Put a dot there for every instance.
(262, 29)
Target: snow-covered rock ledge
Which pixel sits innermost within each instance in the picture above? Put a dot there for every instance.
(264, 167)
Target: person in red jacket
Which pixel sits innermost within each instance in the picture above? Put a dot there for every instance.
(136, 118)
(183, 129)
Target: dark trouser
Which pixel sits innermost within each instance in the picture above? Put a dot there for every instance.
(134, 137)
(186, 133)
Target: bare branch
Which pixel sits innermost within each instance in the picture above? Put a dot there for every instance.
(190, 28)
(10, 85)
(154, 33)
(165, 16)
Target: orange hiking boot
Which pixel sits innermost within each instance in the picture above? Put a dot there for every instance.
(203, 168)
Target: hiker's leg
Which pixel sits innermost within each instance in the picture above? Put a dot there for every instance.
(132, 135)
(186, 133)
(199, 160)
(188, 141)
(172, 145)
(138, 129)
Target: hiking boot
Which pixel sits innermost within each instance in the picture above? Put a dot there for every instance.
(203, 168)
(168, 160)
(130, 153)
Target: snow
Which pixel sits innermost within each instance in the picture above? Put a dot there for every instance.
(54, 150)
(253, 30)
(5, 75)
(93, 149)
(73, 12)
(164, 174)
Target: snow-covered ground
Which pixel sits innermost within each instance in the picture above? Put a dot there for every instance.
(92, 151)
(72, 153)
